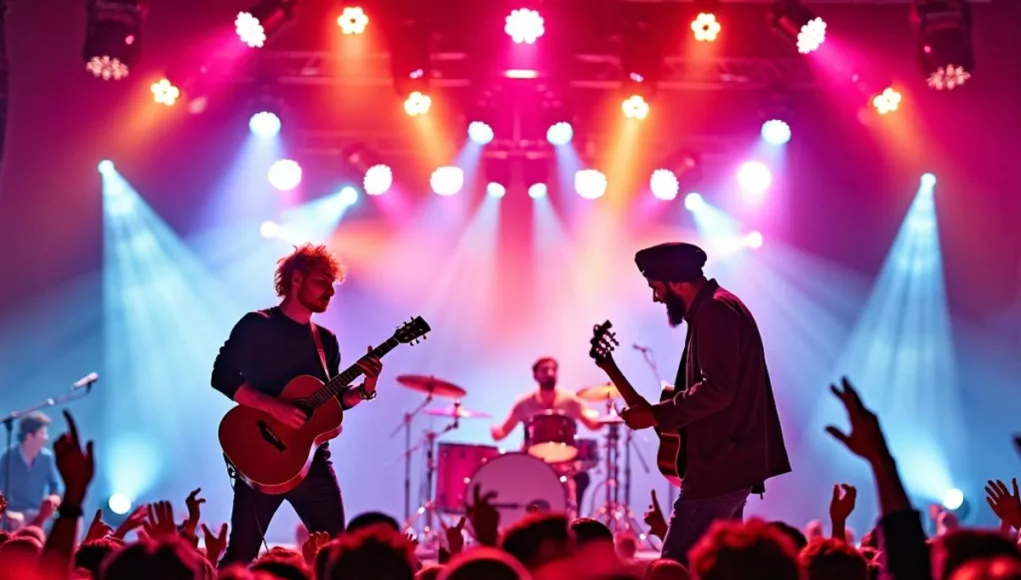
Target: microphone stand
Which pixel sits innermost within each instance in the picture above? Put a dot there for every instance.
(9, 420)
(651, 362)
(405, 424)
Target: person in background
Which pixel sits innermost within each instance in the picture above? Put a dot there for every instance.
(32, 472)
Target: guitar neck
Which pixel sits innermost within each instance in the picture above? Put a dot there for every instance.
(631, 396)
(338, 383)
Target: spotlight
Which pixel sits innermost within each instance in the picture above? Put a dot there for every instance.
(693, 202)
(535, 172)
(706, 27)
(753, 240)
(447, 180)
(417, 104)
(953, 499)
(264, 124)
(105, 166)
(119, 504)
(887, 102)
(754, 178)
(635, 107)
(269, 230)
(664, 184)
(776, 132)
(928, 180)
(378, 179)
(254, 26)
(352, 20)
(494, 189)
(799, 24)
(537, 190)
(285, 174)
(480, 133)
(347, 196)
(944, 42)
(112, 34)
(524, 26)
(560, 133)
(590, 183)
(164, 92)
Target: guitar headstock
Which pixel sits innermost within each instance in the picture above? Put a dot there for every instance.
(603, 342)
(413, 331)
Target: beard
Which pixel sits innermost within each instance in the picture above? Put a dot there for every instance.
(548, 384)
(675, 308)
(315, 304)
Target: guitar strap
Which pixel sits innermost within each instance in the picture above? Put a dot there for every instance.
(322, 352)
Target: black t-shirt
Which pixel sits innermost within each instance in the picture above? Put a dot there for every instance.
(267, 349)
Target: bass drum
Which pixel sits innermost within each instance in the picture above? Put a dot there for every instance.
(522, 484)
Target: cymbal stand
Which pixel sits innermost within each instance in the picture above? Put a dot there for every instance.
(430, 534)
(405, 424)
(647, 354)
(617, 515)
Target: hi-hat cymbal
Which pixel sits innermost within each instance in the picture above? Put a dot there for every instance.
(431, 386)
(457, 411)
(599, 393)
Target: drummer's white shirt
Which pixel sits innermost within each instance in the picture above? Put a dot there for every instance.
(565, 401)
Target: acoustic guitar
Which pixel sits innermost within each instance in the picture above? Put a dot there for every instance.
(668, 456)
(274, 458)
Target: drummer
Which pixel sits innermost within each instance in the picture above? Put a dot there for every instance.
(549, 398)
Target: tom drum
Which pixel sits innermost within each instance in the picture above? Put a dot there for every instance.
(522, 484)
(550, 437)
(455, 465)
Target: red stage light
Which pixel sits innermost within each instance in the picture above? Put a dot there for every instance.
(352, 20)
(706, 27)
(524, 25)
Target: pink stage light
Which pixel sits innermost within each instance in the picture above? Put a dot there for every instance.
(754, 177)
(664, 184)
(352, 20)
(706, 27)
(378, 179)
(447, 180)
(417, 103)
(250, 30)
(635, 107)
(524, 26)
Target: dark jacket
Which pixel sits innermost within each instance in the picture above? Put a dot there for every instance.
(724, 407)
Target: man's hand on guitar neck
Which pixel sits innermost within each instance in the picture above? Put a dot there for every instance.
(371, 366)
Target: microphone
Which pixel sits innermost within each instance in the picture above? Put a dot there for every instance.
(85, 381)
(640, 348)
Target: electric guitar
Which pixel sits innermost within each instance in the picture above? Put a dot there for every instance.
(668, 456)
(274, 458)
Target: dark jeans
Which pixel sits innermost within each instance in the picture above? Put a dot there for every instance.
(691, 519)
(316, 500)
(581, 483)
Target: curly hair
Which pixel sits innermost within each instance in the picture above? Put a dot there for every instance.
(305, 260)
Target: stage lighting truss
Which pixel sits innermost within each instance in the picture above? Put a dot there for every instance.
(256, 25)
(112, 37)
(799, 25)
(944, 42)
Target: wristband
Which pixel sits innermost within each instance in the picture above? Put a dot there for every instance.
(364, 394)
(68, 512)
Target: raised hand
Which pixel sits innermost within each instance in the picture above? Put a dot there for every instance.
(76, 465)
(654, 518)
(3, 503)
(866, 437)
(159, 522)
(215, 544)
(1005, 505)
(194, 504)
(842, 505)
(455, 536)
(484, 518)
(134, 521)
(311, 546)
(98, 528)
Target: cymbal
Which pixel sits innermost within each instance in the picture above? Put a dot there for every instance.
(431, 386)
(457, 411)
(609, 419)
(599, 393)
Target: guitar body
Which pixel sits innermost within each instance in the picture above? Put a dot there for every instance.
(269, 456)
(668, 455)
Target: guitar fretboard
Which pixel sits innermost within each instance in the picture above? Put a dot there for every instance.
(338, 383)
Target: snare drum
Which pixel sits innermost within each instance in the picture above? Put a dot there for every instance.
(455, 464)
(550, 437)
(523, 485)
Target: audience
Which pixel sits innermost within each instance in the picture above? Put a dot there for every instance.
(542, 545)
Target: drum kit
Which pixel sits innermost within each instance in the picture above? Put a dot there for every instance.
(537, 479)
